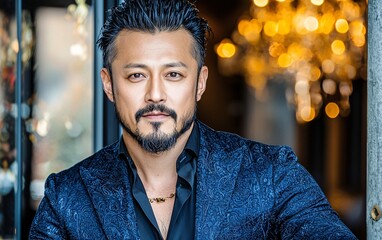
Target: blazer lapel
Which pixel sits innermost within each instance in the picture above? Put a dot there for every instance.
(217, 170)
(108, 186)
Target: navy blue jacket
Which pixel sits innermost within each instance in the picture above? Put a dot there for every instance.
(245, 190)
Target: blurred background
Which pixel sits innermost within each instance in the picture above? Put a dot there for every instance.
(290, 72)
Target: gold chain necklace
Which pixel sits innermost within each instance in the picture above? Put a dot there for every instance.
(161, 199)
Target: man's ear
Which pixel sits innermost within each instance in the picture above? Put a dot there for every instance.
(202, 82)
(107, 84)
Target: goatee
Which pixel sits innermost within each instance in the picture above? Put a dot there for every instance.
(157, 141)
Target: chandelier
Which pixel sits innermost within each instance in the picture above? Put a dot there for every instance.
(316, 46)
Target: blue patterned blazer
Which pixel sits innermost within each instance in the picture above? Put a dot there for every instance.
(245, 190)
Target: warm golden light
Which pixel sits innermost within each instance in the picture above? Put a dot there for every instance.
(359, 41)
(351, 9)
(258, 82)
(283, 27)
(15, 46)
(301, 87)
(246, 27)
(255, 64)
(326, 23)
(332, 110)
(311, 24)
(284, 60)
(342, 25)
(317, 2)
(316, 46)
(302, 75)
(329, 86)
(276, 49)
(295, 50)
(260, 3)
(270, 28)
(307, 114)
(357, 28)
(315, 73)
(226, 49)
(351, 71)
(338, 47)
(328, 66)
(346, 88)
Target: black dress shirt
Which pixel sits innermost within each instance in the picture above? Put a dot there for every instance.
(182, 225)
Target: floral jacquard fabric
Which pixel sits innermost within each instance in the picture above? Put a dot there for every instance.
(245, 190)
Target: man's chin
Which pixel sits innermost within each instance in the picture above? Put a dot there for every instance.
(157, 142)
(160, 128)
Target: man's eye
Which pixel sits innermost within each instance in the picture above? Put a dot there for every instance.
(174, 75)
(136, 76)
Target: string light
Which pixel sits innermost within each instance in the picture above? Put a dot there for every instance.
(318, 46)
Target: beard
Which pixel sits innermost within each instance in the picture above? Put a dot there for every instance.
(157, 141)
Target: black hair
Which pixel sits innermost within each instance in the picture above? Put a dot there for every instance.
(154, 16)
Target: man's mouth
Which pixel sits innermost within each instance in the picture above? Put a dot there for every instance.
(155, 112)
(155, 115)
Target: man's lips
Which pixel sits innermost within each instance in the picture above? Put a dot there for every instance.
(155, 115)
(155, 112)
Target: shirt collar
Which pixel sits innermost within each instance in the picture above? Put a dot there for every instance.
(193, 142)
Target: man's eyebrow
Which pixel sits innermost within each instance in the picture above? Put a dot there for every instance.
(166, 65)
(176, 64)
(135, 65)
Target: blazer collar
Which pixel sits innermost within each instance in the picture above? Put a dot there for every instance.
(218, 165)
(108, 185)
(217, 170)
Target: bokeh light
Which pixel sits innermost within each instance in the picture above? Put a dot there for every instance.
(342, 25)
(284, 60)
(307, 113)
(317, 2)
(260, 3)
(338, 47)
(332, 110)
(226, 49)
(270, 28)
(317, 47)
(311, 23)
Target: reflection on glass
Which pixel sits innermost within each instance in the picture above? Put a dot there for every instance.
(62, 111)
(7, 106)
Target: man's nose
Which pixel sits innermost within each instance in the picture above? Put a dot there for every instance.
(155, 91)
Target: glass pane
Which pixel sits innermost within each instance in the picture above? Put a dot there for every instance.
(8, 53)
(62, 109)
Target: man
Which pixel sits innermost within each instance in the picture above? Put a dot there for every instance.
(170, 176)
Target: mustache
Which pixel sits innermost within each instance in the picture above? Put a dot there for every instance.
(155, 107)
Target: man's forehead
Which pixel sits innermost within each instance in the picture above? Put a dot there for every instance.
(135, 41)
(127, 32)
(129, 43)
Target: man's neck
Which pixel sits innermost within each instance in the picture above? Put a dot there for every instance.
(157, 171)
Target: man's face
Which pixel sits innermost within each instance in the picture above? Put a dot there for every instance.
(155, 86)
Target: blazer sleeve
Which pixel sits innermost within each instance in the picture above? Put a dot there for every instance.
(302, 208)
(46, 223)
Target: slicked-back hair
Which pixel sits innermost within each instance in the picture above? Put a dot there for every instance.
(154, 16)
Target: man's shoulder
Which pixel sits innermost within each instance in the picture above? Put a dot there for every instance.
(256, 150)
(98, 160)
